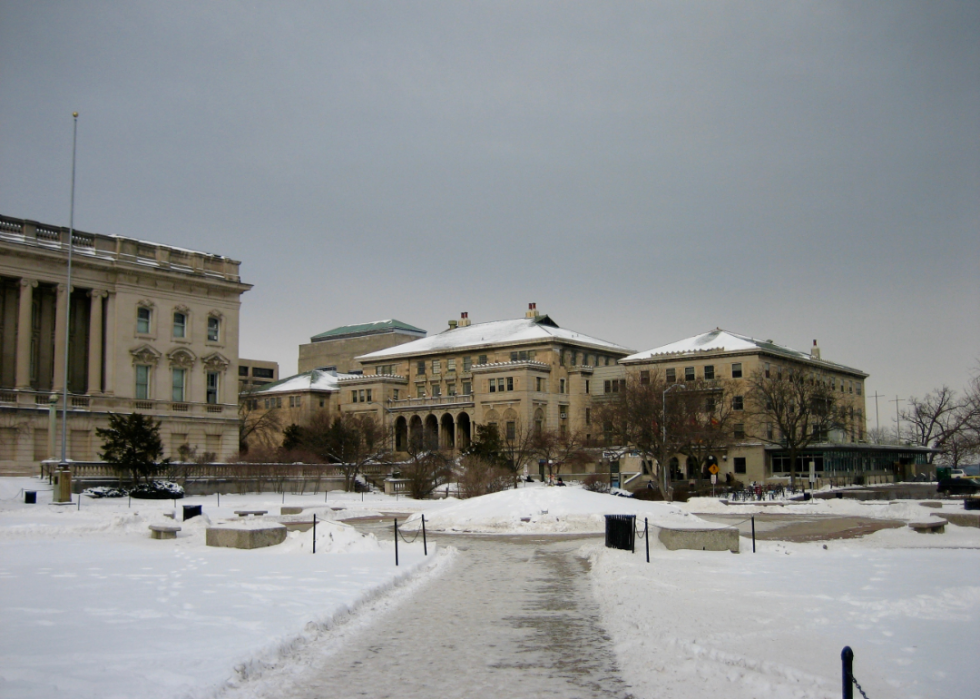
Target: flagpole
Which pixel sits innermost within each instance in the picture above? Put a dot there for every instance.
(63, 464)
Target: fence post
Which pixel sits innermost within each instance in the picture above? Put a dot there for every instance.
(425, 544)
(646, 536)
(396, 542)
(753, 533)
(314, 533)
(847, 669)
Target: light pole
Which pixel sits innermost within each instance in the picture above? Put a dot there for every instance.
(64, 474)
(663, 433)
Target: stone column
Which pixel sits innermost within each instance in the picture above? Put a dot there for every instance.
(25, 316)
(110, 346)
(95, 342)
(60, 331)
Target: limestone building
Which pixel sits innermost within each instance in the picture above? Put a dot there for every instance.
(253, 373)
(151, 329)
(339, 348)
(720, 355)
(519, 374)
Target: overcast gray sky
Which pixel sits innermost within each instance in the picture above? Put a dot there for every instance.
(642, 171)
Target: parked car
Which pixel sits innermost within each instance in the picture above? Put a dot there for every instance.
(957, 473)
(958, 486)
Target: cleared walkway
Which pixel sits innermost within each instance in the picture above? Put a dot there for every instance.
(512, 617)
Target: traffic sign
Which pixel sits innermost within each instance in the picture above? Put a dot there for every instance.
(713, 469)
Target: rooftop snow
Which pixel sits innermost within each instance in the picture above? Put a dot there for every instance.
(719, 340)
(315, 380)
(497, 332)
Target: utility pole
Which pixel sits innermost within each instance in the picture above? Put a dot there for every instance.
(898, 422)
(877, 423)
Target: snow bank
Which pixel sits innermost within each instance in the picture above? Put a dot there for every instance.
(549, 510)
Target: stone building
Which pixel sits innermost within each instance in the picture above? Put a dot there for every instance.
(519, 374)
(339, 348)
(720, 355)
(151, 329)
(253, 373)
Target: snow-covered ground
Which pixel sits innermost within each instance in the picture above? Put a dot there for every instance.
(90, 606)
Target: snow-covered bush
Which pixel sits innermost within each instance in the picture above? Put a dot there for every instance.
(157, 490)
(103, 491)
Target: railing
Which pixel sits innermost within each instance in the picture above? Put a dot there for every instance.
(411, 403)
(80, 402)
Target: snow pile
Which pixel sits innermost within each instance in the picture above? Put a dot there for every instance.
(549, 510)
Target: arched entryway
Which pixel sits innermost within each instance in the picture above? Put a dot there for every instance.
(431, 433)
(401, 434)
(447, 432)
(463, 435)
(415, 432)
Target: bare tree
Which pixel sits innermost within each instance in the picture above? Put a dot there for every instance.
(349, 441)
(558, 448)
(480, 476)
(792, 408)
(257, 424)
(707, 411)
(425, 470)
(642, 416)
(517, 446)
(939, 420)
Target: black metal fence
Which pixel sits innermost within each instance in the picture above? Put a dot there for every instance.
(621, 532)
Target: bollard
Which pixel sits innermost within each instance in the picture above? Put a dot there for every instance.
(646, 537)
(396, 542)
(79, 502)
(314, 533)
(753, 534)
(847, 671)
(219, 498)
(425, 545)
(284, 496)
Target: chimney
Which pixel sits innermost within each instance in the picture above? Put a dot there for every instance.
(464, 319)
(532, 311)
(452, 325)
(815, 351)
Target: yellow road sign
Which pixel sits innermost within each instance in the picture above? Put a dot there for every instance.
(713, 469)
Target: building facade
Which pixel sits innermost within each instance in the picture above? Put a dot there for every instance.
(253, 373)
(150, 329)
(339, 348)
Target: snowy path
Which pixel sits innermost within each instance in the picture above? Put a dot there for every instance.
(513, 616)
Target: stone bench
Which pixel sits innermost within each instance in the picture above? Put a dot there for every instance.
(700, 539)
(935, 526)
(246, 535)
(290, 510)
(250, 513)
(164, 531)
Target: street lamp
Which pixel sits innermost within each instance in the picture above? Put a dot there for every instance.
(663, 431)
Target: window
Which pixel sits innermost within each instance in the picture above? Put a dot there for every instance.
(369, 395)
(738, 403)
(709, 372)
(588, 416)
(394, 394)
(574, 358)
(143, 320)
(770, 432)
(709, 404)
(739, 430)
(420, 391)
(261, 373)
(450, 365)
(482, 359)
(857, 389)
(214, 324)
(436, 366)
(180, 325)
(179, 382)
(142, 382)
(467, 363)
(322, 403)
(671, 376)
(212, 387)
(561, 385)
(689, 373)
(522, 356)
(538, 384)
(353, 396)
(243, 370)
(510, 383)
(587, 385)
(607, 386)
(561, 357)
(737, 370)
(420, 368)
(467, 388)
(500, 385)
(386, 369)
(739, 464)
(436, 390)
(511, 430)
(644, 378)
(492, 386)
(451, 389)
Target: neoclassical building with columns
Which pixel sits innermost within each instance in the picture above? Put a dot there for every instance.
(150, 329)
